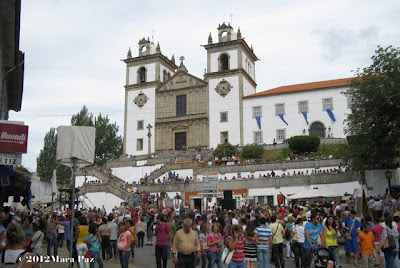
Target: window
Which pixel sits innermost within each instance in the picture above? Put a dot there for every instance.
(224, 62)
(224, 116)
(180, 105)
(142, 75)
(258, 137)
(279, 108)
(303, 106)
(280, 134)
(327, 104)
(257, 111)
(165, 75)
(350, 102)
(140, 125)
(139, 145)
(224, 137)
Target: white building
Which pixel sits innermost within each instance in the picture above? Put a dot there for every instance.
(166, 108)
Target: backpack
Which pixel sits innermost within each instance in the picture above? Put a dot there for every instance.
(390, 244)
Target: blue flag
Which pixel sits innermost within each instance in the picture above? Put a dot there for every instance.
(331, 115)
(258, 119)
(305, 116)
(283, 119)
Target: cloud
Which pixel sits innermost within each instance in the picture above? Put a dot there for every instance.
(338, 42)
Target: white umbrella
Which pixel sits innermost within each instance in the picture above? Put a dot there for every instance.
(314, 193)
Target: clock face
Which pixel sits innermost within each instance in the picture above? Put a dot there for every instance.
(141, 99)
(223, 88)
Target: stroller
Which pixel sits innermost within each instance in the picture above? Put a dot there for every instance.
(321, 257)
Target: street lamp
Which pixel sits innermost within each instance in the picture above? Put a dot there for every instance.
(388, 176)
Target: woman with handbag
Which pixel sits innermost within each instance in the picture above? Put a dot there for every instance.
(330, 230)
(297, 241)
(235, 243)
(37, 239)
(352, 227)
(389, 242)
(214, 243)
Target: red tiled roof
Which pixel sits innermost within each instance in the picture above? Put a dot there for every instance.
(306, 86)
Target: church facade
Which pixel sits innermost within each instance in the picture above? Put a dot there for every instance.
(166, 108)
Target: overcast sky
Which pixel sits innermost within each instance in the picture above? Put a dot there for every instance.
(73, 48)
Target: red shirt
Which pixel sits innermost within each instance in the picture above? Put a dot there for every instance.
(162, 233)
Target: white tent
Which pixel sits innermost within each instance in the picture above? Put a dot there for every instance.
(314, 193)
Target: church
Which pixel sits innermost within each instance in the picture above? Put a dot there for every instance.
(167, 108)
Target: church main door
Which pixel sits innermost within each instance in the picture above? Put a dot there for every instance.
(180, 141)
(317, 129)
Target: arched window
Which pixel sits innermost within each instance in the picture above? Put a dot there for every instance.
(317, 129)
(224, 62)
(142, 75)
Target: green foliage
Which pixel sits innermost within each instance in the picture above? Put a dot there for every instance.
(108, 143)
(304, 144)
(83, 118)
(225, 149)
(324, 151)
(46, 161)
(253, 151)
(374, 124)
(22, 169)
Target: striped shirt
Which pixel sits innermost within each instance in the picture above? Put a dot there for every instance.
(238, 254)
(263, 233)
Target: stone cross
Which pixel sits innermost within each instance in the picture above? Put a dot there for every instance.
(149, 141)
(182, 58)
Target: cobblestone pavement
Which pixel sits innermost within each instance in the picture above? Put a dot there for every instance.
(145, 258)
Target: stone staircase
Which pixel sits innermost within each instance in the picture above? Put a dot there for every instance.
(107, 187)
(95, 172)
(175, 166)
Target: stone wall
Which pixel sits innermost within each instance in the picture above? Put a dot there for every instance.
(258, 183)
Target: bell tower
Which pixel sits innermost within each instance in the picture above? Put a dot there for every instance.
(144, 74)
(231, 75)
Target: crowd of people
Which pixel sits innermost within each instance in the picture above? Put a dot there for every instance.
(256, 234)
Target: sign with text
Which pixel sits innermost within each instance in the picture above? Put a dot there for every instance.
(210, 184)
(13, 138)
(10, 159)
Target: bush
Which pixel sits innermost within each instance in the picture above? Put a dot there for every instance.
(254, 151)
(225, 149)
(304, 144)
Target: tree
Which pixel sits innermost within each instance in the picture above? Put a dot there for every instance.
(254, 151)
(304, 144)
(373, 126)
(108, 143)
(83, 118)
(46, 161)
(224, 149)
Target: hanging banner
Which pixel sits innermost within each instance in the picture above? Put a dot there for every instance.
(331, 115)
(258, 119)
(305, 116)
(283, 119)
